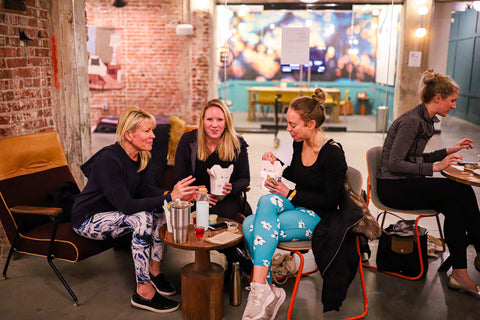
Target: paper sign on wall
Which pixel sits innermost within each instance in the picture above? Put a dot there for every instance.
(295, 45)
(414, 58)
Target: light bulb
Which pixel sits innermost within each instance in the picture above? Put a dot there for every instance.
(476, 5)
(423, 10)
(420, 32)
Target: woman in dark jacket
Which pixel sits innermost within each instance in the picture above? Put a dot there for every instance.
(405, 182)
(216, 143)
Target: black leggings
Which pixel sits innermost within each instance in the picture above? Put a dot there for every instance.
(456, 201)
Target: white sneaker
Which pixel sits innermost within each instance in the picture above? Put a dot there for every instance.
(272, 309)
(259, 299)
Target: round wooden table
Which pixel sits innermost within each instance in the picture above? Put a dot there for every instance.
(202, 280)
(462, 176)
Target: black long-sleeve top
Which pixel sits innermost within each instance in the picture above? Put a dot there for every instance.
(319, 186)
(115, 185)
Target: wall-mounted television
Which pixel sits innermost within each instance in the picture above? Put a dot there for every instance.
(317, 62)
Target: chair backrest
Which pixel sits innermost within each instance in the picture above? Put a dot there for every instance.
(374, 158)
(30, 167)
(288, 97)
(345, 100)
(354, 177)
(264, 97)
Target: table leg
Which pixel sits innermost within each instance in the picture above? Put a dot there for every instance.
(202, 288)
(251, 107)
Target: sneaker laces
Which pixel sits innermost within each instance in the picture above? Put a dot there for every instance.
(254, 296)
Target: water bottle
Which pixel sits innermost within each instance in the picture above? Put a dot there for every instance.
(202, 208)
(235, 285)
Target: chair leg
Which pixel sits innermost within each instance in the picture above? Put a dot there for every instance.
(364, 290)
(10, 253)
(50, 258)
(297, 282)
(65, 284)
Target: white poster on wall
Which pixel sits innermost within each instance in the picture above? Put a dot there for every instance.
(295, 45)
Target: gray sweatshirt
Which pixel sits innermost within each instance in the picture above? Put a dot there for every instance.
(403, 151)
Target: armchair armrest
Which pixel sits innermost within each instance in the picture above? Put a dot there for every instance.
(48, 211)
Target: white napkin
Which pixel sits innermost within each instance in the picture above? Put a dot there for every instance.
(218, 178)
(167, 216)
(274, 170)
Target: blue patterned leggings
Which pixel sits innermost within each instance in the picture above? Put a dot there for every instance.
(276, 219)
(144, 226)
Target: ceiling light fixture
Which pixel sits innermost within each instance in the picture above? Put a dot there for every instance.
(420, 32)
(309, 1)
(476, 5)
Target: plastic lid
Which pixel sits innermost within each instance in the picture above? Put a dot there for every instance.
(202, 190)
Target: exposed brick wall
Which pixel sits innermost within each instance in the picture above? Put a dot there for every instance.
(26, 83)
(162, 72)
(26, 77)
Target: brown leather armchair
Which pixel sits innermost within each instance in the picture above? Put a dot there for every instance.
(31, 166)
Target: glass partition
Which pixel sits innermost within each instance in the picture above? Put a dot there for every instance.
(353, 48)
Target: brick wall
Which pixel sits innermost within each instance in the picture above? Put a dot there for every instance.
(26, 84)
(27, 90)
(162, 72)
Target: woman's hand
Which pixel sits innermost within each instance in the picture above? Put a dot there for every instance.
(227, 188)
(278, 188)
(449, 160)
(213, 199)
(268, 156)
(183, 191)
(462, 144)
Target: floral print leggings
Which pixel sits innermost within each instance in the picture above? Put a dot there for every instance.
(144, 226)
(276, 219)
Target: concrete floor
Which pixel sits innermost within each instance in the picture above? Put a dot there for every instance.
(104, 283)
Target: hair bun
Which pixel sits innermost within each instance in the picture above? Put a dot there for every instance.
(429, 76)
(320, 96)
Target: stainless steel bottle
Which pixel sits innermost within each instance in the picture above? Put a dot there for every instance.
(235, 285)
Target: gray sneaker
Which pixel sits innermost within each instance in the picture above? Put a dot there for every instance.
(259, 299)
(272, 309)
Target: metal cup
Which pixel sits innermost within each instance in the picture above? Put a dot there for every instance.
(180, 211)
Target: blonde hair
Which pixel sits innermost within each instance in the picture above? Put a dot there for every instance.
(229, 142)
(311, 108)
(433, 83)
(129, 120)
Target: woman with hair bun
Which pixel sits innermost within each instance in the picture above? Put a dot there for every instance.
(318, 169)
(405, 177)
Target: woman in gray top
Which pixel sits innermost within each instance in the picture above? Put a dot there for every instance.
(405, 182)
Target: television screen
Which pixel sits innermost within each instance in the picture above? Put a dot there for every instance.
(317, 62)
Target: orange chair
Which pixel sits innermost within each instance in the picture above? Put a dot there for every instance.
(354, 177)
(374, 156)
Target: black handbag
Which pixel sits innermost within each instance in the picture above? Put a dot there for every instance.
(398, 250)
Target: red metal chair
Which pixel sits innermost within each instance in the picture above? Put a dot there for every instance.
(354, 177)
(374, 156)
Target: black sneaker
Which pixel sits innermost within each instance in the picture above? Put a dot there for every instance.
(157, 304)
(162, 286)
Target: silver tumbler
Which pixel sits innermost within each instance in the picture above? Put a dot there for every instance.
(180, 217)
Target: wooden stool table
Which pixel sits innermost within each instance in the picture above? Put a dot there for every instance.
(202, 280)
